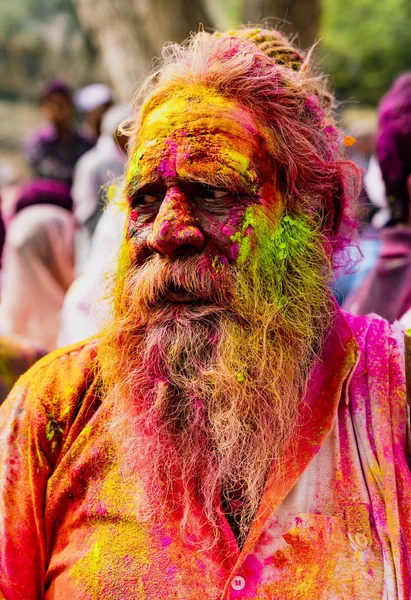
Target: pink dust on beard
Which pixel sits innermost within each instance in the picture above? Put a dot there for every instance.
(234, 251)
(313, 106)
(228, 231)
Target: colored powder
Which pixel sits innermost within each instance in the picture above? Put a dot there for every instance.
(112, 545)
(196, 133)
(270, 253)
(242, 237)
(218, 264)
(53, 428)
(122, 546)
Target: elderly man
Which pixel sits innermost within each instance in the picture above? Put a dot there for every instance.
(231, 434)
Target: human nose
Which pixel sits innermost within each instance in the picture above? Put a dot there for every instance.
(175, 231)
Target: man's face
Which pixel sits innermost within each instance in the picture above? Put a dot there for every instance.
(59, 109)
(198, 164)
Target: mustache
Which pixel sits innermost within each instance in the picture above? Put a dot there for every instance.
(206, 278)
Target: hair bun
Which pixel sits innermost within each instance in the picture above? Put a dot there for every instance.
(272, 43)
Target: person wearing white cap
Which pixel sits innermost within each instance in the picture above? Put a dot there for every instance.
(96, 168)
(93, 101)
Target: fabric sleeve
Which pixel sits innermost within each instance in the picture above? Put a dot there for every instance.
(24, 471)
(401, 536)
(34, 422)
(398, 394)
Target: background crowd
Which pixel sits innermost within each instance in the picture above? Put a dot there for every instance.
(60, 242)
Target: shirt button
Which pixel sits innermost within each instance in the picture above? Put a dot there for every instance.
(361, 540)
(238, 583)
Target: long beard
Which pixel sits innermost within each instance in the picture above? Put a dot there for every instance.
(213, 388)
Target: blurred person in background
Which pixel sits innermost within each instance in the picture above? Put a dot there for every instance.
(87, 304)
(54, 149)
(93, 101)
(17, 355)
(370, 201)
(387, 288)
(98, 241)
(95, 169)
(38, 269)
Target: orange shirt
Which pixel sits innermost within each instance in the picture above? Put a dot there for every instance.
(17, 355)
(337, 528)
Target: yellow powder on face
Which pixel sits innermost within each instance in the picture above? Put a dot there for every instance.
(198, 135)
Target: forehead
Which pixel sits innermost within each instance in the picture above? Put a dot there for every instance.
(199, 135)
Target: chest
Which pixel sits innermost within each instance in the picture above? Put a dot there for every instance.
(321, 542)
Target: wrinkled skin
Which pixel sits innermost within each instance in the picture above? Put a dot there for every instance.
(195, 170)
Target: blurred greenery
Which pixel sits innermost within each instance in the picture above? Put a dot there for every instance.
(19, 16)
(364, 43)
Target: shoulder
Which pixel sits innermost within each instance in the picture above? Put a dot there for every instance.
(73, 363)
(373, 334)
(57, 381)
(14, 347)
(16, 356)
(381, 353)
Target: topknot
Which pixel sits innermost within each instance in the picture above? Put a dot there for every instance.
(272, 43)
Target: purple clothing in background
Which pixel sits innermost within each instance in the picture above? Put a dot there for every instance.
(394, 144)
(44, 191)
(387, 289)
(52, 158)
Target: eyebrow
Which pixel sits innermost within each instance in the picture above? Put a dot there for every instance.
(230, 181)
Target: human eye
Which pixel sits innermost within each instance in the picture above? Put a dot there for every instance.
(214, 193)
(146, 199)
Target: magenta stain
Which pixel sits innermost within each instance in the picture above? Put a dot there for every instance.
(165, 541)
(234, 251)
(166, 170)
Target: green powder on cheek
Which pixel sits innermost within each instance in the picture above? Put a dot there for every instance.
(281, 255)
(243, 237)
(286, 250)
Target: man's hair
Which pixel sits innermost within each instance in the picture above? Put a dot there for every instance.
(262, 71)
(394, 144)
